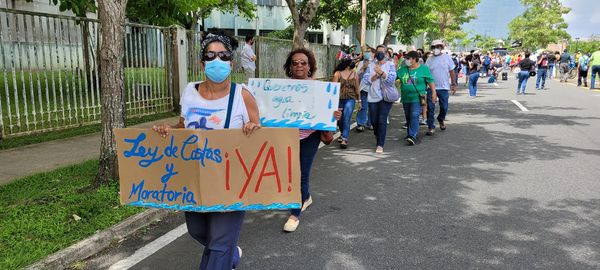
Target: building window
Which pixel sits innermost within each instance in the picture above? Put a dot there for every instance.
(269, 3)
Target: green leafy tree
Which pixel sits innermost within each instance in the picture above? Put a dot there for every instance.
(407, 17)
(183, 12)
(447, 17)
(287, 33)
(541, 24)
(302, 17)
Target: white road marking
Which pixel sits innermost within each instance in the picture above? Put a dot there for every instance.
(154, 246)
(520, 105)
(150, 248)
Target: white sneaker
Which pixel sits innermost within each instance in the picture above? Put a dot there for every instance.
(379, 150)
(306, 203)
(240, 251)
(291, 225)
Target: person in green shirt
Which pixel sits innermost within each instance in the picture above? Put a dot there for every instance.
(414, 80)
(594, 64)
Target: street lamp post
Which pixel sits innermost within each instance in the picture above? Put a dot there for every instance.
(576, 44)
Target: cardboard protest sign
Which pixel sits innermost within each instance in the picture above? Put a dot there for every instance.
(305, 104)
(209, 171)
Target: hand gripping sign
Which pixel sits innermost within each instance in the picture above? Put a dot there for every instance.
(209, 171)
(305, 104)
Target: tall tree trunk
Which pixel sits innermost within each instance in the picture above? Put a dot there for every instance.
(302, 18)
(299, 33)
(389, 30)
(112, 18)
(85, 36)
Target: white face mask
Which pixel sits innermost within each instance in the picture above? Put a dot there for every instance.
(408, 62)
(437, 51)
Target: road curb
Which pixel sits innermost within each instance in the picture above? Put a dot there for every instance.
(99, 241)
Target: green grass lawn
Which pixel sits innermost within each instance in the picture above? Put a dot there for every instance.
(36, 213)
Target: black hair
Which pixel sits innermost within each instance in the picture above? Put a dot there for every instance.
(312, 62)
(527, 54)
(344, 64)
(248, 38)
(412, 55)
(221, 37)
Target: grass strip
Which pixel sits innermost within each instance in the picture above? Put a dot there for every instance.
(36, 213)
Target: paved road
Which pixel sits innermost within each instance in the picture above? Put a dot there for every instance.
(500, 189)
(24, 161)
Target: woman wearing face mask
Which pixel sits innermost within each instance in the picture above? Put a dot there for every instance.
(349, 94)
(414, 80)
(379, 77)
(216, 103)
(302, 65)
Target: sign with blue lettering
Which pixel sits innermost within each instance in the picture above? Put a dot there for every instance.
(209, 171)
(304, 104)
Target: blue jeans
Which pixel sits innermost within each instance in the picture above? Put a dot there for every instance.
(344, 123)
(550, 71)
(541, 76)
(362, 117)
(308, 151)
(378, 112)
(473, 77)
(219, 234)
(595, 71)
(412, 111)
(523, 77)
(443, 96)
(484, 70)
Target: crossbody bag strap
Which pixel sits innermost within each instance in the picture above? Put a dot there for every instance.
(412, 81)
(230, 105)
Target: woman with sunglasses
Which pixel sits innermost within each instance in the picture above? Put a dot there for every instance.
(302, 65)
(216, 103)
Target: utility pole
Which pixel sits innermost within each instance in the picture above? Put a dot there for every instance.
(257, 17)
(363, 27)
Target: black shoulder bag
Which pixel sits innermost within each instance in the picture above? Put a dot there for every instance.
(422, 98)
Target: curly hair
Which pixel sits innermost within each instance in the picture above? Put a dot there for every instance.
(312, 62)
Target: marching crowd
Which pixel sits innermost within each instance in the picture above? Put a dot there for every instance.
(371, 82)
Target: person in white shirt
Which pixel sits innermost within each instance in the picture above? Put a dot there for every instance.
(249, 58)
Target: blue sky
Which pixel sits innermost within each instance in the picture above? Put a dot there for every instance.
(584, 18)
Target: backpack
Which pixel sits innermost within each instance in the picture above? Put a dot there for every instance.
(583, 63)
(486, 60)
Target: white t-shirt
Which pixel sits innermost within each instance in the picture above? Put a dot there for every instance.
(247, 55)
(200, 113)
(440, 66)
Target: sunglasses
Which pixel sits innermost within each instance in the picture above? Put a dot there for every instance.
(299, 63)
(223, 55)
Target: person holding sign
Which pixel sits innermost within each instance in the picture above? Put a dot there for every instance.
(216, 103)
(302, 65)
(349, 94)
(380, 77)
(414, 80)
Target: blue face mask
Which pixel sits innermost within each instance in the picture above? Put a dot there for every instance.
(217, 70)
(367, 56)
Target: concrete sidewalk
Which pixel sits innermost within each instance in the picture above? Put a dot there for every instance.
(20, 162)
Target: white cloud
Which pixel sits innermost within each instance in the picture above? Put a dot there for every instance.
(584, 18)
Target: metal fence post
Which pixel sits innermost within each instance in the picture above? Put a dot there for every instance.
(258, 54)
(179, 64)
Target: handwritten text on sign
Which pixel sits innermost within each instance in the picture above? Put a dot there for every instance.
(208, 171)
(305, 104)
